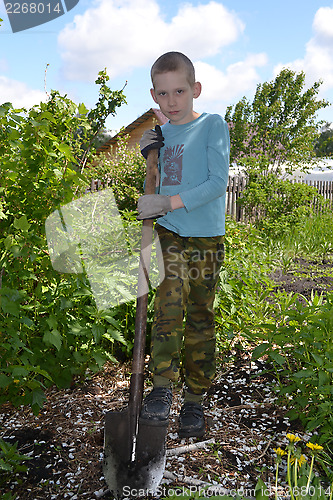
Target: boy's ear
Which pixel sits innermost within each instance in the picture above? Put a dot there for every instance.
(196, 89)
(152, 91)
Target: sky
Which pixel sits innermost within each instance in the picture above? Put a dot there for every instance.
(234, 45)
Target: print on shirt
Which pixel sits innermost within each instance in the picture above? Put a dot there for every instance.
(173, 165)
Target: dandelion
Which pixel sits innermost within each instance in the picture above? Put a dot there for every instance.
(292, 438)
(292, 450)
(298, 461)
(315, 448)
(279, 452)
(295, 460)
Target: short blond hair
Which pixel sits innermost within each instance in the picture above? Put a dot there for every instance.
(173, 61)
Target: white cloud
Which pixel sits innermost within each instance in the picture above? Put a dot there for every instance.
(238, 79)
(205, 29)
(317, 63)
(323, 26)
(19, 94)
(132, 33)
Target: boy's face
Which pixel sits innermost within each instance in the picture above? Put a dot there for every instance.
(174, 95)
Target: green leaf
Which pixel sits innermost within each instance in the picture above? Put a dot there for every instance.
(4, 381)
(114, 335)
(97, 331)
(277, 358)
(12, 175)
(54, 338)
(261, 490)
(259, 350)
(28, 322)
(10, 307)
(110, 319)
(111, 358)
(324, 378)
(37, 369)
(22, 223)
(318, 359)
(100, 358)
(314, 423)
(5, 465)
(82, 109)
(38, 398)
(77, 329)
(58, 173)
(304, 373)
(8, 241)
(52, 322)
(19, 371)
(64, 148)
(48, 116)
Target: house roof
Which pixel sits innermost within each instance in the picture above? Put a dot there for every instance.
(152, 112)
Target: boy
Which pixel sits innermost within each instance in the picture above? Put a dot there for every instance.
(190, 206)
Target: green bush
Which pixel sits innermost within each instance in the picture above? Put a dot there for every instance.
(50, 329)
(273, 204)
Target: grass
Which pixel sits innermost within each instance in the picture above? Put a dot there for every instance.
(250, 308)
(312, 238)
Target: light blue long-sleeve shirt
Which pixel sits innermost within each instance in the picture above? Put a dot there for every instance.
(194, 163)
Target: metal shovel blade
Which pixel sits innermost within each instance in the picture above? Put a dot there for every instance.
(127, 477)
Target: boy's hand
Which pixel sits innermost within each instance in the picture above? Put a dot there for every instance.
(151, 139)
(153, 205)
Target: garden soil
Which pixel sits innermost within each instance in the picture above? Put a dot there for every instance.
(244, 424)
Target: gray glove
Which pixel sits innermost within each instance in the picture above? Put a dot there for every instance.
(151, 139)
(151, 206)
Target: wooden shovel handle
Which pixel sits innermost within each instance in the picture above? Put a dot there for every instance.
(136, 383)
(151, 174)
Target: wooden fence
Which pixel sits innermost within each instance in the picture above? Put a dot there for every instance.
(236, 185)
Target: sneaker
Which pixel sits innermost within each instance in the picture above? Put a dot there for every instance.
(156, 406)
(191, 420)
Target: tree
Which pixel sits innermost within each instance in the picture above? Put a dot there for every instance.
(102, 137)
(324, 144)
(279, 127)
(273, 134)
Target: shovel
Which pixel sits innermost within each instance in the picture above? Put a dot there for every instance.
(134, 448)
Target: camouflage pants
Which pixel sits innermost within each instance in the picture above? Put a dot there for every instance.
(183, 332)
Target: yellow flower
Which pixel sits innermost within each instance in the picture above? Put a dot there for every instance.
(314, 447)
(279, 452)
(292, 438)
(300, 461)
